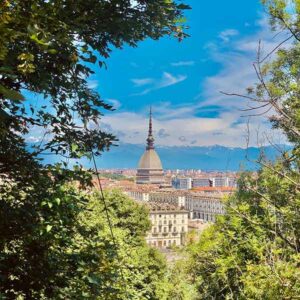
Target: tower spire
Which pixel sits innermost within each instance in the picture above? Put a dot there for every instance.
(150, 139)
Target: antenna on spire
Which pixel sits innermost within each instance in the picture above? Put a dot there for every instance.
(150, 139)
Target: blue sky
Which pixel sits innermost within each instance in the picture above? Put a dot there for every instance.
(182, 81)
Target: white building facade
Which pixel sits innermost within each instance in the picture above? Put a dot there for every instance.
(200, 182)
(203, 206)
(182, 183)
(169, 226)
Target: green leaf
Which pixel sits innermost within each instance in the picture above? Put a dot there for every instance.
(4, 115)
(35, 38)
(48, 228)
(11, 94)
(74, 147)
(92, 280)
(52, 51)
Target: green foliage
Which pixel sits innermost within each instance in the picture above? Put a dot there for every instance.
(49, 48)
(114, 176)
(54, 238)
(177, 285)
(60, 246)
(253, 252)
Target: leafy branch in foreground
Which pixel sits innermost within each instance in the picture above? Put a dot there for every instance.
(56, 244)
(54, 238)
(253, 252)
(49, 48)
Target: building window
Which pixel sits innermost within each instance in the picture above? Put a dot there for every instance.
(154, 229)
(182, 229)
(165, 243)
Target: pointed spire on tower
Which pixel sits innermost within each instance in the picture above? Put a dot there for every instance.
(150, 139)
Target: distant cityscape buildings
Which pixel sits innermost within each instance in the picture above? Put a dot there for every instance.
(182, 183)
(177, 199)
(187, 183)
(206, 206)
(195, 202)
(199, 182)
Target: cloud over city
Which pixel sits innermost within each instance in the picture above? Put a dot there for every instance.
(167, 79)
(201, 115)
(183, 124)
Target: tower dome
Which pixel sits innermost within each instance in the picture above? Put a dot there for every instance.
(150, 160)
(150, 169)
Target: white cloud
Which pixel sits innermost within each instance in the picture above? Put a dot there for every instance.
(227, 34)
(181, 131)
(92, 84)
(142, 81)
(183, 63)
(115, 103)
(237, 73)
(167, 79)
(227, 126)
(181, 125)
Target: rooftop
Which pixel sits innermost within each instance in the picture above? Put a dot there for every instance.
(150, 160)
(214, 189)
(165, 207)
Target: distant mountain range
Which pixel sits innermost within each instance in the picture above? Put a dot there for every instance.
(204, 158)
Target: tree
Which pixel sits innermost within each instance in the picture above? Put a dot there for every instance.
(53, 244)
(253, 251)
(48, 48)
(66, 251)
(177, 284)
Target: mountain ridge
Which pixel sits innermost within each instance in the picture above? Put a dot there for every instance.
(206, 158)
(215, 157)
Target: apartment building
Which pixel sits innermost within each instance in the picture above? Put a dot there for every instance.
(169, 225)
